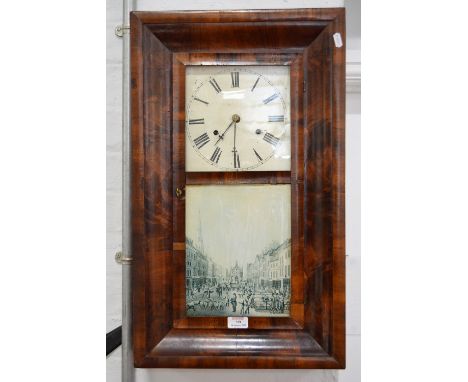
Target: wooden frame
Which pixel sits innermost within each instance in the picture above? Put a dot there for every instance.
(163, 43)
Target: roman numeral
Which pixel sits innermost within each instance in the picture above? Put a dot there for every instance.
(200, 100)
(255, 84)
(235, 79)
(199, 121)
(236, 160)
(276, 118)
(271, 98)
(271, 139)
(215, 157)
(258, 155)
(201, 141)
(215, 85)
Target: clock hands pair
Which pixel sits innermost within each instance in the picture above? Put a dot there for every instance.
(235, 119)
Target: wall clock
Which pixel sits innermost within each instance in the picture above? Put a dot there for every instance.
(238, 188)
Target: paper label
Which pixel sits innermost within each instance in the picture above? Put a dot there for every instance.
(238, 322)
(338, 41)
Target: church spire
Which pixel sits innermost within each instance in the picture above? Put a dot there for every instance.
(200, 234)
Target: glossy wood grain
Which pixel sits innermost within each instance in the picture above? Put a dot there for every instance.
(162, 45)
(241, 177)
(291, 36)
(182, 178)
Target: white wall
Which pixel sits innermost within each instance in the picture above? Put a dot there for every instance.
(114, 195)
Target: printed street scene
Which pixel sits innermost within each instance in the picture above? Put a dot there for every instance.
(238, 250)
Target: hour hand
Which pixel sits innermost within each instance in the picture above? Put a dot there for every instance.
(224, 132)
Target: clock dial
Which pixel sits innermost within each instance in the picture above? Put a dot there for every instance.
(237, 118)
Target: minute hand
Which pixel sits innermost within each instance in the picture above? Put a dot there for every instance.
(236, 158)
(235, 128)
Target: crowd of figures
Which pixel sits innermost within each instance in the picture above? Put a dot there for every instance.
(236, 300)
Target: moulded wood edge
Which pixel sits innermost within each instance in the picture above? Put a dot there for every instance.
(240, 362)
(233, 15)
(157, 359)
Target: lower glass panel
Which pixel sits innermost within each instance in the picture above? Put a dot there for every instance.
(238, 250)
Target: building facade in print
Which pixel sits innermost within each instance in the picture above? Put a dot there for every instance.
(236, 274)
(272, 268)
(250, 271)
(215, 272)
(200, 269)
(196, 266)
(275, 270)
(284, 252)
(281, 266)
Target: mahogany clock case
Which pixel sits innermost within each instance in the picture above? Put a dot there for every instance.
(162, 45)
